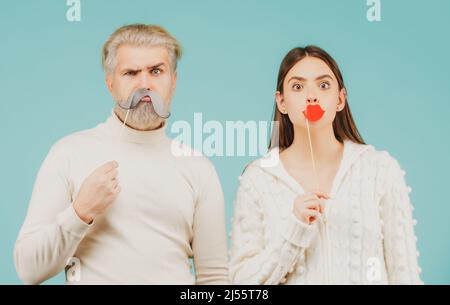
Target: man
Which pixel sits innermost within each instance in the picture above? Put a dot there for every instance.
(114, 204)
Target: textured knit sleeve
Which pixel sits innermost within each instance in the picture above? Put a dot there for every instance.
(253, 260)
(209, 242)
(398, 229)
(52, 230)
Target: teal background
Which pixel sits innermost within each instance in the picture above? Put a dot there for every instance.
(396, 72)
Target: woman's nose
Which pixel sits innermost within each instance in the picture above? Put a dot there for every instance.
(310, 100)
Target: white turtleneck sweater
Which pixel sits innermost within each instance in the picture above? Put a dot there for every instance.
(169, 210)
(365, 237)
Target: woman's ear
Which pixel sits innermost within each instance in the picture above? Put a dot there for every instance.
(280, 102)
(342, 99)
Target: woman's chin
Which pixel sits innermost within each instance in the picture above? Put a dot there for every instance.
(319, 124)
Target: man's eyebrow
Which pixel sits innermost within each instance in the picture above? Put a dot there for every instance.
(156, 66)
(123, 70)
(302, 79)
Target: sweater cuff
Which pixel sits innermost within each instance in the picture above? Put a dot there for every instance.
(299, 233)
(69, 221)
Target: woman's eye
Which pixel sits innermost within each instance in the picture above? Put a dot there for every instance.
(324, 85)
(297, 87)
(156, 71)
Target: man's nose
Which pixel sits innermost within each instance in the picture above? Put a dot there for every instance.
(146, 81)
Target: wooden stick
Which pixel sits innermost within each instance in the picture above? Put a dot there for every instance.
(312, 156)
(321, 217)
(123, 125)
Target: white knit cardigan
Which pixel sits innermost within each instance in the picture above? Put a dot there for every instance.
(366, 235)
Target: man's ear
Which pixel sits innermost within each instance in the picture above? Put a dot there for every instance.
(280, 102)
(342, 99)
(175, 76)
(109, 82)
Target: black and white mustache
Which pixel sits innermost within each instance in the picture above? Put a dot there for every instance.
(137, 95)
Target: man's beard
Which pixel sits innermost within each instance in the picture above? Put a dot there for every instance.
(143, 117)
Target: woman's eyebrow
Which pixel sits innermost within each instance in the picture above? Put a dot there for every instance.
(302, 79)
(324, 76)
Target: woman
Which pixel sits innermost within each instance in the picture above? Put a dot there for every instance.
(333, 210)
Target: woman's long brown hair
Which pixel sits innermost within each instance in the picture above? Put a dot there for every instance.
(344, 126)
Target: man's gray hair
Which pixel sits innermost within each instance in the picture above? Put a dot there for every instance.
(139, 35)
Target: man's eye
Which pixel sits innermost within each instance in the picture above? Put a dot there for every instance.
(297, 87)
(156, 71)
(324, 85)
(130, 73)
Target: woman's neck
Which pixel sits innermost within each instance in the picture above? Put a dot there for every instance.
(326, 148)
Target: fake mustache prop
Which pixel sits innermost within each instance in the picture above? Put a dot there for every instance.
(146, 96)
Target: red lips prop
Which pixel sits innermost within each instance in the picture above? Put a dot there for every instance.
(313, 112)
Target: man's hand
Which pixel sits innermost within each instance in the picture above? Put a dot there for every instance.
(97, 192)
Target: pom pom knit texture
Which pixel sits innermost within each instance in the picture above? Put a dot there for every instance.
(367, 238)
